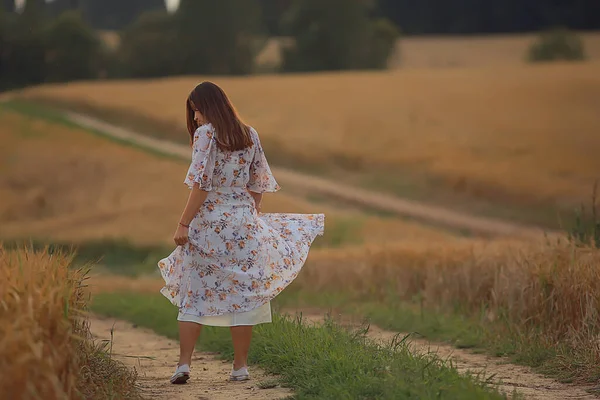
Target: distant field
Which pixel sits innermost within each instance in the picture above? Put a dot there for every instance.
(474, 51)
(523, 135)
(448, 51)
(65, 184)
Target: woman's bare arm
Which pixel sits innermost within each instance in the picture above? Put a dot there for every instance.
(257, 199)
(195, 200)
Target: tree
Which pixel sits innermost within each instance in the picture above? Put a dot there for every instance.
(117, 14)
(8, 6)
(490, 16)
(336, 35)
(273, 12)
(57, 7)
(4, 48)
(149, 46)
(25, 61)
(217, 37)
(73, 49)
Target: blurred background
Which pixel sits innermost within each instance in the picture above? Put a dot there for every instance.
(61, 40)
(484, 108)
(439, 137)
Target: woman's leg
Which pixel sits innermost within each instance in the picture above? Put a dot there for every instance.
(188, 335)
(241, 337)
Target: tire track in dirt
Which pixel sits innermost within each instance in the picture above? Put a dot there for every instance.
(355, 195)
(154, 358)
(507, 377)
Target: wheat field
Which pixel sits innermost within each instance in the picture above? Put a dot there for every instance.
(475, 51)
(66, 184)
(523, 134)
(47, 350)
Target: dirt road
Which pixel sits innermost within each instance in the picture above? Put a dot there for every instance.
(392, 204)
(154, 357)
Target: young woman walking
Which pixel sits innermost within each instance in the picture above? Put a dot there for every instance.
(231, 260)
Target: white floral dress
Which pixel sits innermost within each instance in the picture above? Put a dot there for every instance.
(236, 260)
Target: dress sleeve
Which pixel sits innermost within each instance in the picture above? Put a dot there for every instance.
(203, 159)
(261, 179)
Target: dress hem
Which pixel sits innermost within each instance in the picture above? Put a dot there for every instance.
(256, 316)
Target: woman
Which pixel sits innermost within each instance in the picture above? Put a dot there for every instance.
(230, 260)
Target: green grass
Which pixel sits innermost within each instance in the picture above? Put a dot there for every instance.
(318, 362)
(56, 116)
(115, 256)
(560, 361)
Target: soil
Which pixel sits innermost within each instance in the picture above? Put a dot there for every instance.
(154, 357)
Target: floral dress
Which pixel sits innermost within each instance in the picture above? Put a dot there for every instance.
(236, 260)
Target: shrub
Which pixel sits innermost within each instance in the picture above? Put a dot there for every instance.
(557, 44)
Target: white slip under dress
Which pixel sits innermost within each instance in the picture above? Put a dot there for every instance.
(236, 260)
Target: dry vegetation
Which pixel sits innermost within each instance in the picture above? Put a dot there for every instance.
(547, 293)
(66, 184)
(535, 292)
(46, 349)
(521, 135)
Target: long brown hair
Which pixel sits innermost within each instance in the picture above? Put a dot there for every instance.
(212, 102)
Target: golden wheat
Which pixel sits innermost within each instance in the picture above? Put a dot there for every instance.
(64, 184)
(524, 133)
(46, 350)
(552, 286)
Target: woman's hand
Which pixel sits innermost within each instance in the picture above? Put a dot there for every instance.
(181, 236)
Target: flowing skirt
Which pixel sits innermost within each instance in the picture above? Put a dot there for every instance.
(236, 261)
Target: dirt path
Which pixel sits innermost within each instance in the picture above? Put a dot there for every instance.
(508, 377)
(392, 204)
(154, 358)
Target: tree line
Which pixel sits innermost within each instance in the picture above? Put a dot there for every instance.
(413, 16)
(58, 41)
(55, 42)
